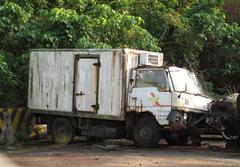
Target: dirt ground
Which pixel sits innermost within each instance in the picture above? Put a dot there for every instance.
(117, 154)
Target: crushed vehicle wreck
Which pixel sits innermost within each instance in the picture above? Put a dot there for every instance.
(224, 116)
(114, 93)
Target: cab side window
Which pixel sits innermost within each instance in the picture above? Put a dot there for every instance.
(152, 78)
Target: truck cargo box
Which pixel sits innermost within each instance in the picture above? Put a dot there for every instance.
(84, 82)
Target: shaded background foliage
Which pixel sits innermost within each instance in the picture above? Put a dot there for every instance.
(203, 35)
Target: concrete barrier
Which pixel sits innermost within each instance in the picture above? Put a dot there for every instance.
(11, 124)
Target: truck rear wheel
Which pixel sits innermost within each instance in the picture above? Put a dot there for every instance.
(146, 133)
(62, 131)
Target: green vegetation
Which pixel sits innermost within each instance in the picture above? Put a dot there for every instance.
(194, 34)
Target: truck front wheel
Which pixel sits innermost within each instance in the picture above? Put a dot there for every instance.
(146, 133)
(62, 131)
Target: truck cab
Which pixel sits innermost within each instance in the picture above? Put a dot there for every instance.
(171, 95)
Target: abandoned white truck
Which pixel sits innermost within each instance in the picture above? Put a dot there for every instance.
(113, 93)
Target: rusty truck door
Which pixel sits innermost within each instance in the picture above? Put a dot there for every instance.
(86, 83)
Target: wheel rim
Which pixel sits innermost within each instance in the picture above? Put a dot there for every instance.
(62, 133)
(145, 133)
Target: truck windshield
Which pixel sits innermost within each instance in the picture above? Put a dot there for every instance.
(151, 78)
(184, 80)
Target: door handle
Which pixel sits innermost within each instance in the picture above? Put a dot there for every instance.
(80, 94)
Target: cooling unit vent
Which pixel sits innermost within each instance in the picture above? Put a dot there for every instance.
(151, 59)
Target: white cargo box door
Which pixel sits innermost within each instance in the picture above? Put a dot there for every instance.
(86, 88)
